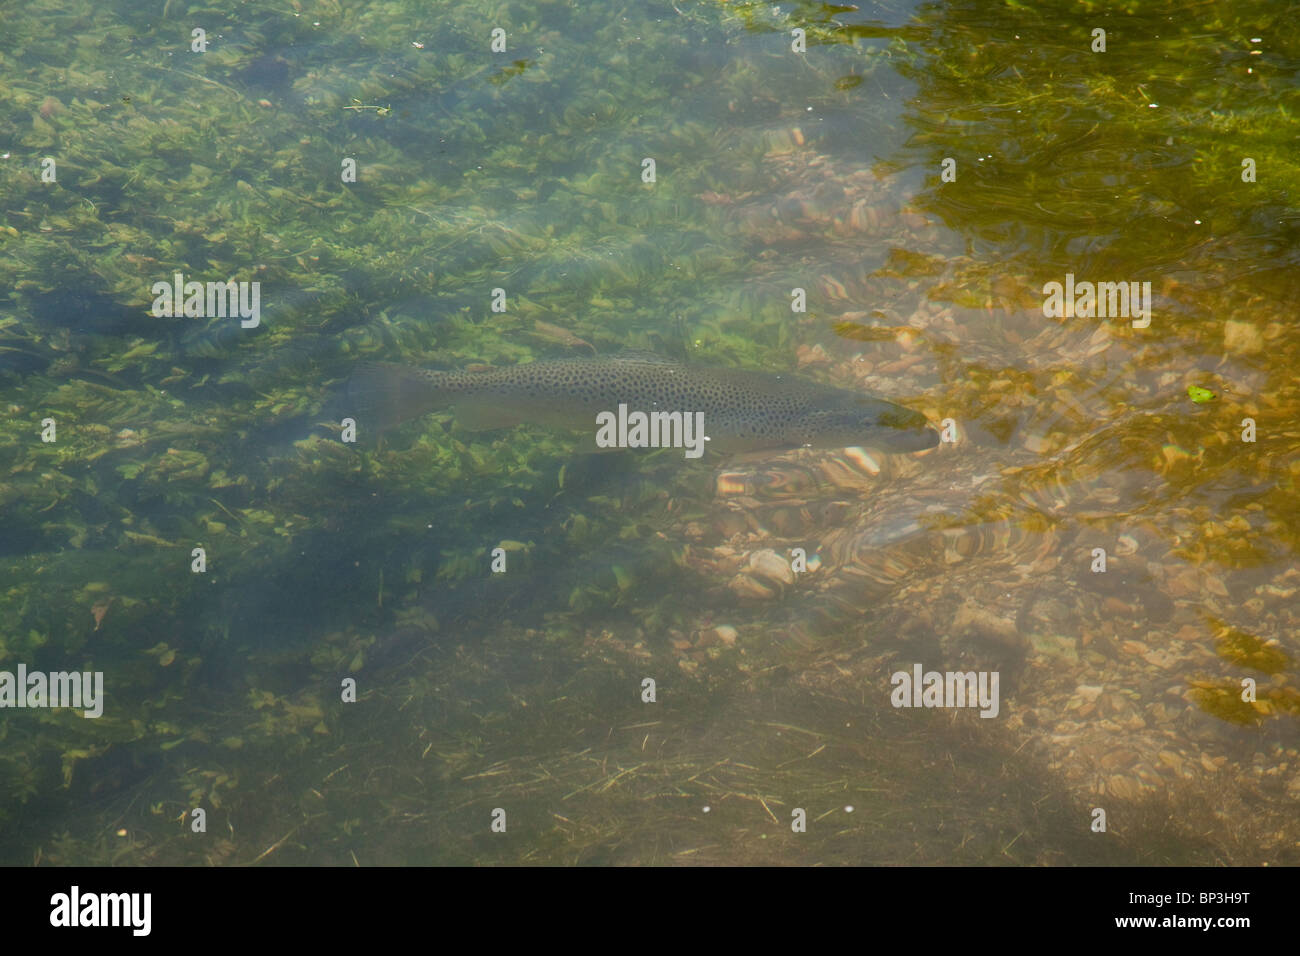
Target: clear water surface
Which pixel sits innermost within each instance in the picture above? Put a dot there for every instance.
(1164, 689)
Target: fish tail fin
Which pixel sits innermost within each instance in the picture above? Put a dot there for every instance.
(382, 394)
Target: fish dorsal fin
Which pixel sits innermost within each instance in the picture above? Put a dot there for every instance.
(642, 355)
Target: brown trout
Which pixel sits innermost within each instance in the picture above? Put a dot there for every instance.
(742, 410)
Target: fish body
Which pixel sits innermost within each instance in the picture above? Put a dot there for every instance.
(743, 410)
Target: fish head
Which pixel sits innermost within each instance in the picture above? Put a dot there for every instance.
(866, 420)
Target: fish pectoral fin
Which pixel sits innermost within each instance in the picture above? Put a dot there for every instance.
(480, 417)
